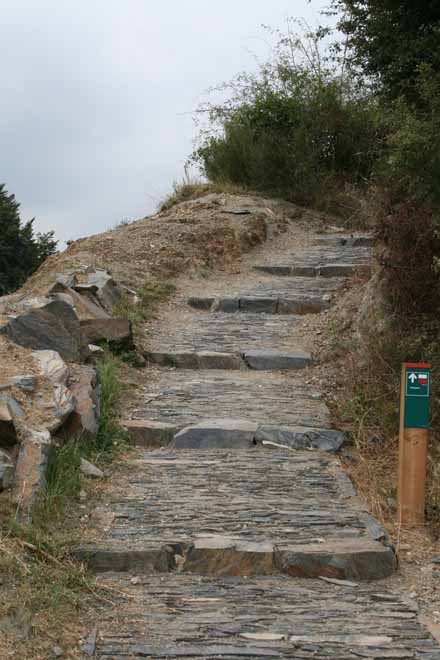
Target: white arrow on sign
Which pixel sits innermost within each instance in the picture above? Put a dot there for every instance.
(412, 378)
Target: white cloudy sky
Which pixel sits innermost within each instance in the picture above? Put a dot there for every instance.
(95, 109)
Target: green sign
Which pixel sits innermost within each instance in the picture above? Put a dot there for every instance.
(417, 391)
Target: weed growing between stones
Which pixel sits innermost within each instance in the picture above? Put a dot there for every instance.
(35, 563)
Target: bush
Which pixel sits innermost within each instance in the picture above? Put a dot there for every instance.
(297, 129)
(412, 283)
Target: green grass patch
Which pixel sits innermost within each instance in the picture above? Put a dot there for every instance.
(149, 296)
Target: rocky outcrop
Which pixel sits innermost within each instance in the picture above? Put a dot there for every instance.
(59, 400)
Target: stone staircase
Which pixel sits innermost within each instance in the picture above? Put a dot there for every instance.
(235, 532)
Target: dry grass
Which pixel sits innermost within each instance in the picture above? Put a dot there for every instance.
(188, 190)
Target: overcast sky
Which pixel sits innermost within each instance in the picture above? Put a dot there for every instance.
(97, 95)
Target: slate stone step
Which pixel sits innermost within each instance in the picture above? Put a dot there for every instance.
(328, 270)
(230, 433)
(245, 513)
(260, 304)
(271, 618)
(185, 398)
(259, 360)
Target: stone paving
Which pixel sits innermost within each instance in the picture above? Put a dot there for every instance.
(254, 512)
(241, 537)
(265, 618)
(187, 397)
(226, 341)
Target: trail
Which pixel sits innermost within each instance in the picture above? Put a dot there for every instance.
(234, 531)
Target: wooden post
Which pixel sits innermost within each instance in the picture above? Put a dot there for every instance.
(413, 443)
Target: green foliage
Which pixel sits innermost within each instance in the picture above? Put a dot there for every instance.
(149, 296)
(389, 39)
(410, 167)
(21, 252)
(298, 129)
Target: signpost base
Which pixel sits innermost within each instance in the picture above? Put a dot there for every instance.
(412, 477)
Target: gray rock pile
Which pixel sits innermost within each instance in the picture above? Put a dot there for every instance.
(60, 399)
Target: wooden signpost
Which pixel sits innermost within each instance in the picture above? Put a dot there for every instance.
(413, 444)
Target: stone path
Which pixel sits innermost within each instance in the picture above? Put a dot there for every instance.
(234, 532)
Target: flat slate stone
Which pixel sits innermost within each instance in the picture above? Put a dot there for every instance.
(246, 512)
(275, 360)
(301, 437)
(217, 434)
(180, 616)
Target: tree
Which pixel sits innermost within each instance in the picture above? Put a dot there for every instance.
(390, 39)
(21, 253)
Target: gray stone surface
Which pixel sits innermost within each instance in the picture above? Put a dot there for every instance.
(53, 325)
(275, 360)
(117, 332)
(107, 291)
(186, 398)
(217, 434)
(301, 437)
(227, 512)
(178, 617)
(233, 334)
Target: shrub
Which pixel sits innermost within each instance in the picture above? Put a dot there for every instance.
(297, 129)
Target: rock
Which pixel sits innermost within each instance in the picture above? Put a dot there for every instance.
(64, 406)
(52, 366)
(91, 470)
(9, 409)
(257, 305)
(302, 437)
(217, 360)
(265, 360)
(57, 652)
(217, 434)
(85, 389)
(352, 559)
(89, 646)
(31, 465)
(149, 434)
(226, 305)
(220, 555)
(68, 280)
(117, 332)
(85, 306)
(26, 383)
(436, 560)
(204, 304)
(107, 291)
(51, 325)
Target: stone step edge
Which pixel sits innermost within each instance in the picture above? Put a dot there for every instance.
(329, 270)
(260, 304)
(255, 360)
(223, 433)
(356, 559)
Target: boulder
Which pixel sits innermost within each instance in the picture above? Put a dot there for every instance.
(90, 470)
(50, 324)
(117, 332)
(31, 466)
(84, 306)
(52, 366)
(84, 387)
(107, 291)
